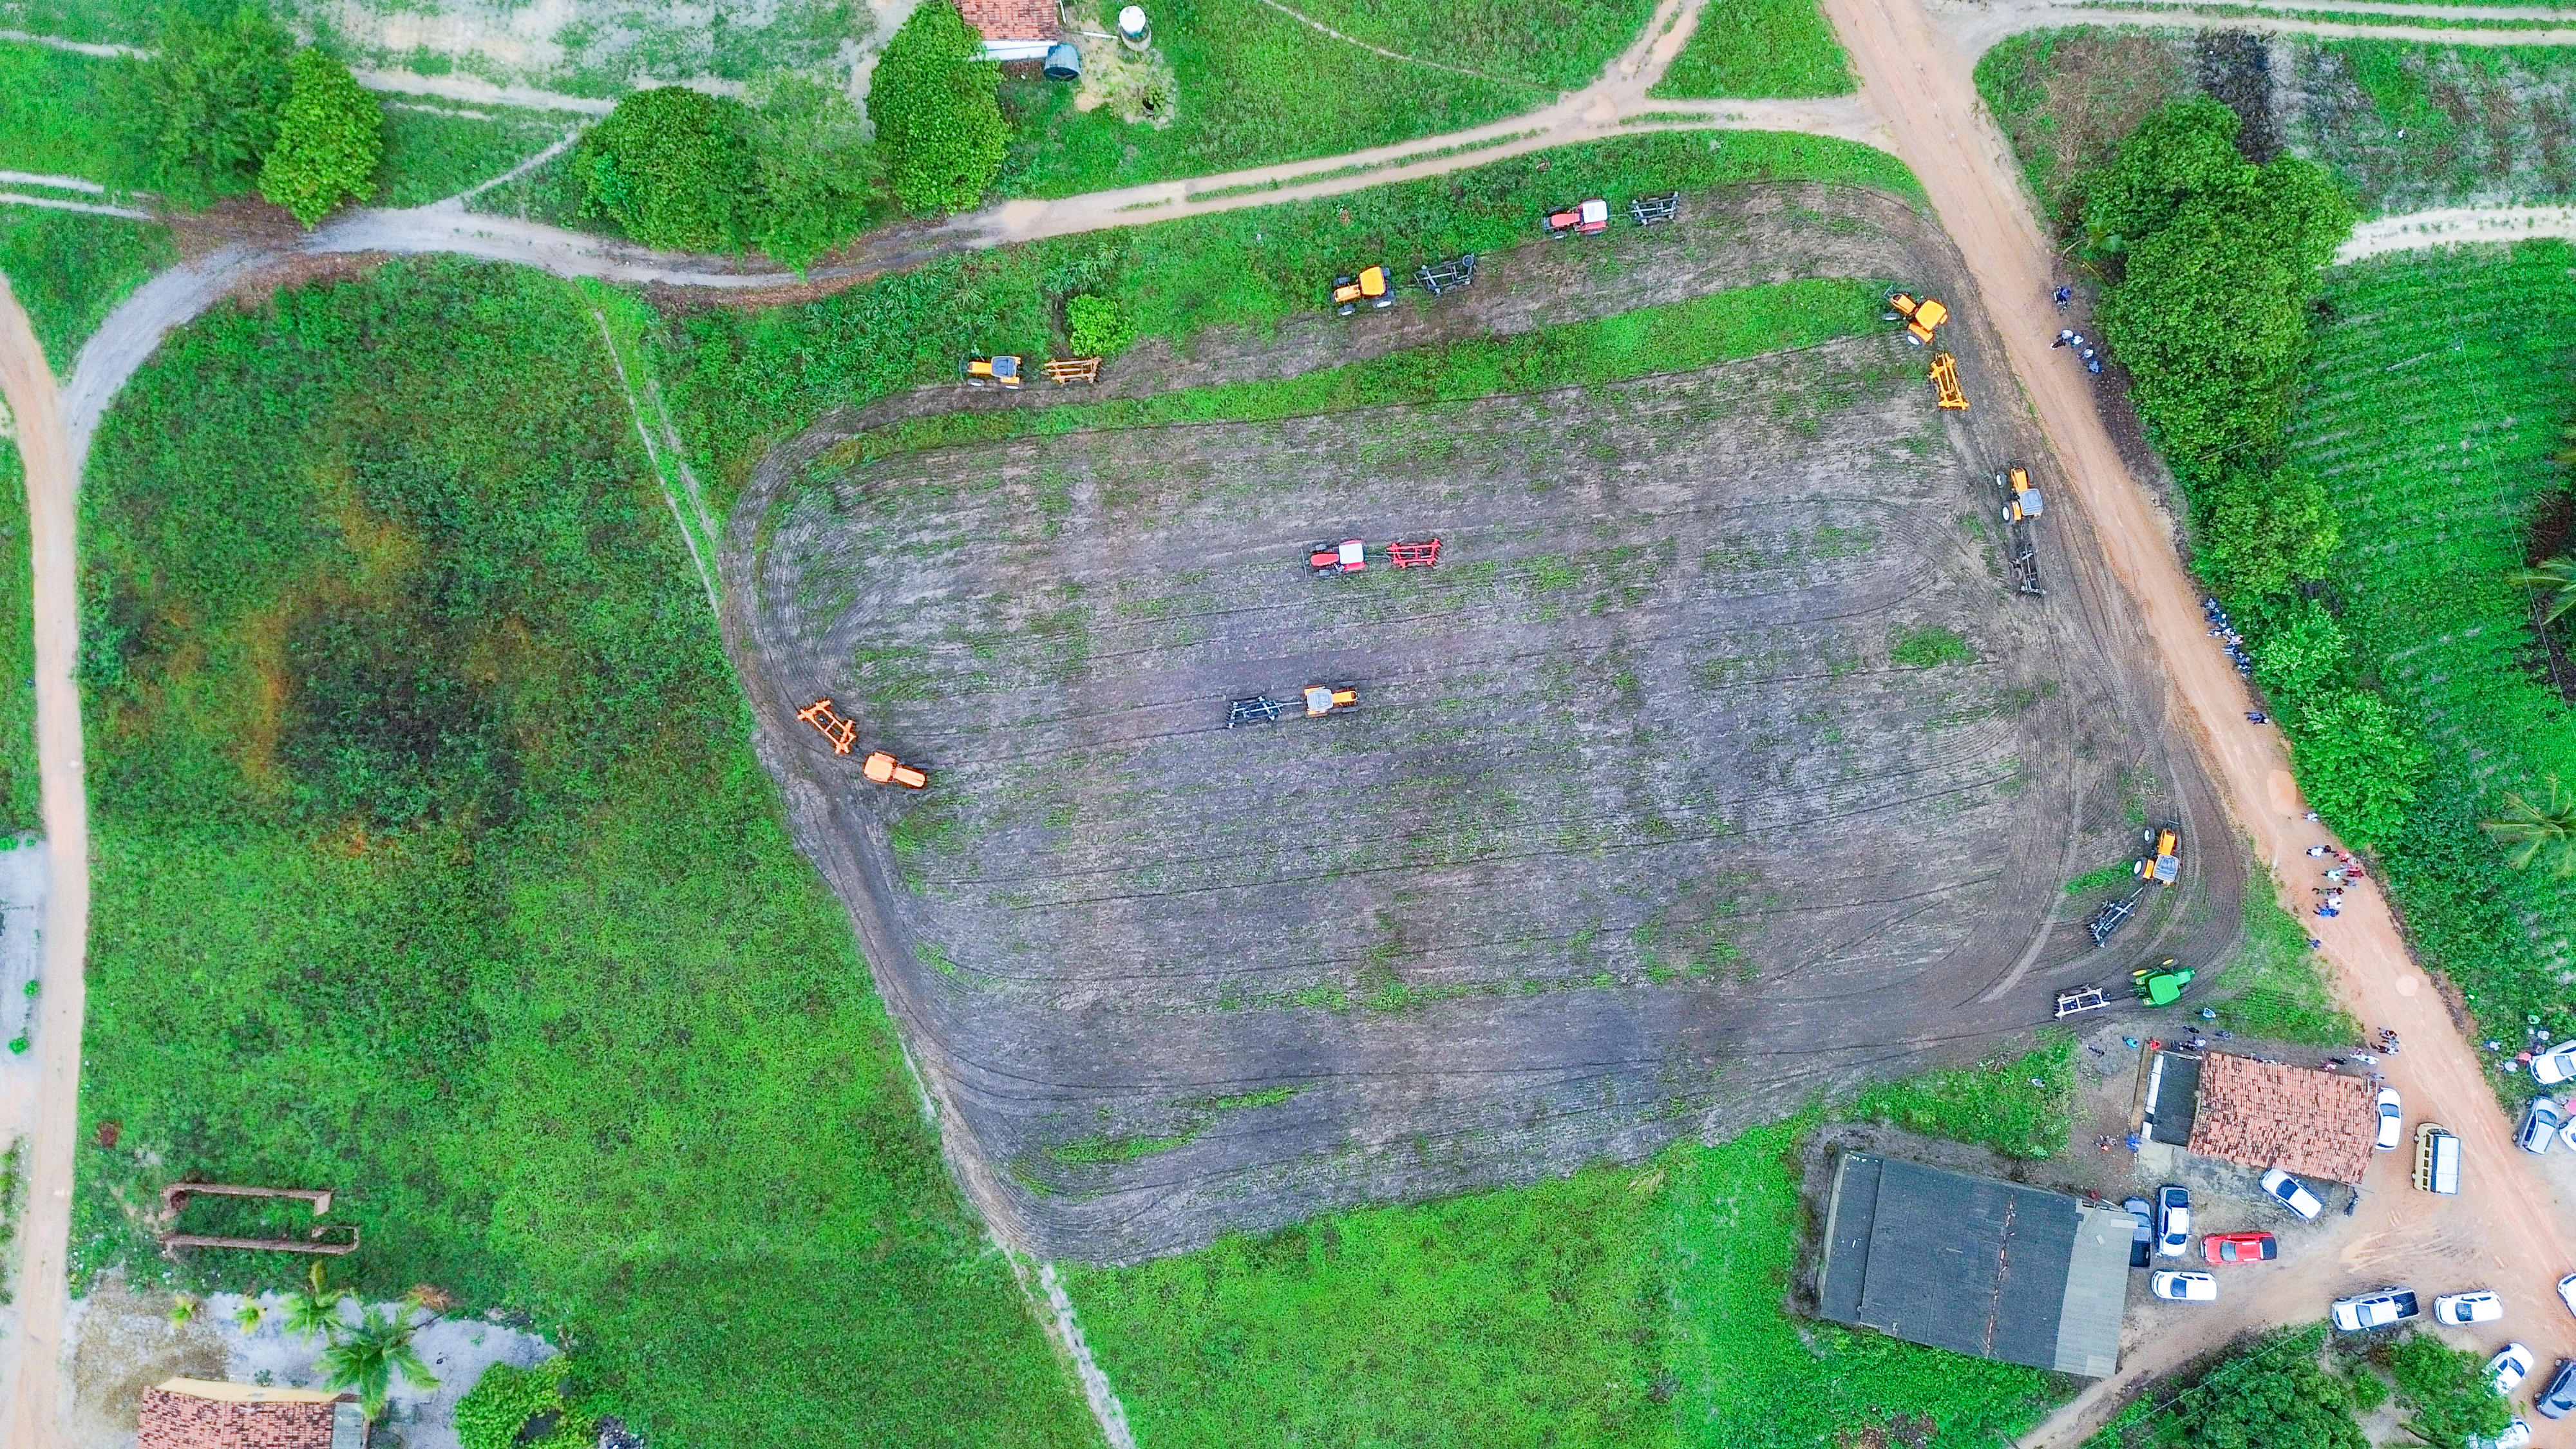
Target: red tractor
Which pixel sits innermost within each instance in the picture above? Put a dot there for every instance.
(1585, 218)
(1347, 557)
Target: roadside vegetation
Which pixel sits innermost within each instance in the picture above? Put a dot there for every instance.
(1638, 1306)
(1558, 45)
(1759, 48)
(2294, 1387)
(18, 798)
(2020, 1108)
(2275, 987)
(69, 271)
(431, 865)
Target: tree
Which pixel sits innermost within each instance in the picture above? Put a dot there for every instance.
(672, 167)
(2554, 579)
(329, 138)
(205, 111)
(2187, 149)
(2448, 1391)
(2543, 832)
(816, 169)
(2265, 531)
(2357, 762)
(2303, 652)
(936, 105)
(2271, 1396)
(365, 1359)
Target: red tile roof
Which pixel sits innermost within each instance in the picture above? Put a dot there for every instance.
(1011, 19)
(2311, 1123)
(200, 1414)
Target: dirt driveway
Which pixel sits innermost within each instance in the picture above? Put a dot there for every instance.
(1650, 821)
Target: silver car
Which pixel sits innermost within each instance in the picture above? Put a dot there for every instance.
(2540, 1123)
(2392, 1121)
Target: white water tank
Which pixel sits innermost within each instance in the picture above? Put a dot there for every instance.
(1132, 28)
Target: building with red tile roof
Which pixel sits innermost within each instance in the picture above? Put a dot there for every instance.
(2307, 1122)
(1013, 29)
(207, 1414)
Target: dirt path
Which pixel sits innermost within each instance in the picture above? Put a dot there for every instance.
(2509, 1217)
(2456, 226)
(1976, 28)
(32, 1382)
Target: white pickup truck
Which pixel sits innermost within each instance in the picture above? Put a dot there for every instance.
(2374, 1310)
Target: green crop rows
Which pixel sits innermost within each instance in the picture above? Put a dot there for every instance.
(1559, 45)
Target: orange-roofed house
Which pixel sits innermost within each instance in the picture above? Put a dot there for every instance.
(207, 1414)
(2307, 1122)
(1014, 29)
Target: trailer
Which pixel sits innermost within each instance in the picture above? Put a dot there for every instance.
(1260, 709)
(2110, 917)
(2081, 999)
(1448, 276)
(1423, 555)
(1656, 210)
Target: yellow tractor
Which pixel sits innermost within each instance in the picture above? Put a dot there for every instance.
(1324, 699)
(1919, 315)
(2163, 864)
(1369, 286)
(1001, 371)
(883, 769)
(2021, 501)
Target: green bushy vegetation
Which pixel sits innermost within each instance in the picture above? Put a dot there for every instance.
(1634, 1306)
(2275, 985)
(69, 271)
(202, 113)
(1759, 48)
(2021, 1108)
(933, 99)
(432, 864)
(2272, 1391)
(1252, 86)
(744, 381)
(2444, 1392)
(330, 135)
(18, 783)
(1562, 45)
(678, 168)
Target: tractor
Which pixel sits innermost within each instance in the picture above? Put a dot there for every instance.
(1919, 317)
(1584, 218)
(1323, 699)
(2021, 500)
(1347, 557)
(980, 371)
(1369, 286)
(2160, 985)
(883, 769)
(2163, 863)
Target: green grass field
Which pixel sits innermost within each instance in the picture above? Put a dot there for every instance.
(1638, 1306)
(2019, 1108)
(2276, 987)
(1759, 48)
(69, 270)
(1562, 45)
(432, 865)
(52, 109)
(2434, 403)
(434, 153)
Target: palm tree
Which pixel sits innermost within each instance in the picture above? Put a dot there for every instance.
(2555, 580)
(366, 1358)
(2543, 832)
(314, 1312)
(248, 1315)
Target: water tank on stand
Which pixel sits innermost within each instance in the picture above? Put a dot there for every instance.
(1132, 29)
(1063, 62)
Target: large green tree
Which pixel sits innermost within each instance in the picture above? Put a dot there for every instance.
(935, 102)
(674, 168)
(817, 172)
(2357, 761)
(330, 136)
(2272, 1396)
(204, 111)
(2446, 1393)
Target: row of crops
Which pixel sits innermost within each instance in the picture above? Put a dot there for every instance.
(2436, 399)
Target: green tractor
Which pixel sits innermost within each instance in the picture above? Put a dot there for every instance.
(2161, 986)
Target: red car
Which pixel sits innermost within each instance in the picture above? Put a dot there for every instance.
(2239, 1247)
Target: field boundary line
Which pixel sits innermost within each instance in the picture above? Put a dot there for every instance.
(1310, 20)
(1105, 1408)
(689, 526)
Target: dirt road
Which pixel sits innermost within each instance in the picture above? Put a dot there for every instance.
(33, 1390)
(2508, 1218)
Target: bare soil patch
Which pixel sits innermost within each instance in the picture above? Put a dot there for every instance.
(1715, 766)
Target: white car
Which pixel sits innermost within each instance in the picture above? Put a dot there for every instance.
(2477, 1306)
(2558, 1064)
(2292, 1194)
(2173, 1221)
(2392, 1121)
(2184, 1287)
(2365, 1311)
(2510, 1366)
(2567, 1292)
(2516, 1435)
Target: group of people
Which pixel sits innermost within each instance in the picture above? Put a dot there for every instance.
(2343, 872)
(2068, 337)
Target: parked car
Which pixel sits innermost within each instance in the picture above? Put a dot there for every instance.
(2478, 1306)
(2558, 1064)
(2559, 1399)
(2516, 1435)
(2392, 1121)
(2292, 1194)
(2240, 1248)
(2510, 1366)
(2173, 1221)
(2366, 1311)
(2567, 1292)
(2142, 1238)
(2540, 1123)
(2567, 1134)
(2185, 1287)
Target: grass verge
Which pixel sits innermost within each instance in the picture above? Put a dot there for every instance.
(432, 865)
(69, 271)
(2276, 987)
(1561, 45)
(1756, 49)
(18, 782)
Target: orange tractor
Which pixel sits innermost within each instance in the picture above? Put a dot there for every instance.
(879, 767)
(1369, 286)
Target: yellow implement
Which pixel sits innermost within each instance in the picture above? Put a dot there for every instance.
(1945, 382)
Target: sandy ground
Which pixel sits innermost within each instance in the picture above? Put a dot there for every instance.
(2453, 226)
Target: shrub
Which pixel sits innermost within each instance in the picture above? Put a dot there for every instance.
(672, 167)
(935, 103)
(506, 1399)
(329, 138)
(2447, 1390)
(816, 171)
(206, 111)
(2265, 531)
(2187, 149)
(2270, 1395)
(1098, 327)
(2358, 764)
(2303, 652)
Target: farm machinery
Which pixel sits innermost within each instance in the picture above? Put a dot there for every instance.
(1448, 276)
(1370, 286)
(2079, 1000)
(1584, 218)
(2160, 985)
(2108, 919)
(982, 371)
(879, 767)
(1655, 210)
(2022, 503)
(1350, 556)
(1919, 314)
(1945, 383)
(2163, 861)
(1319, 699)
